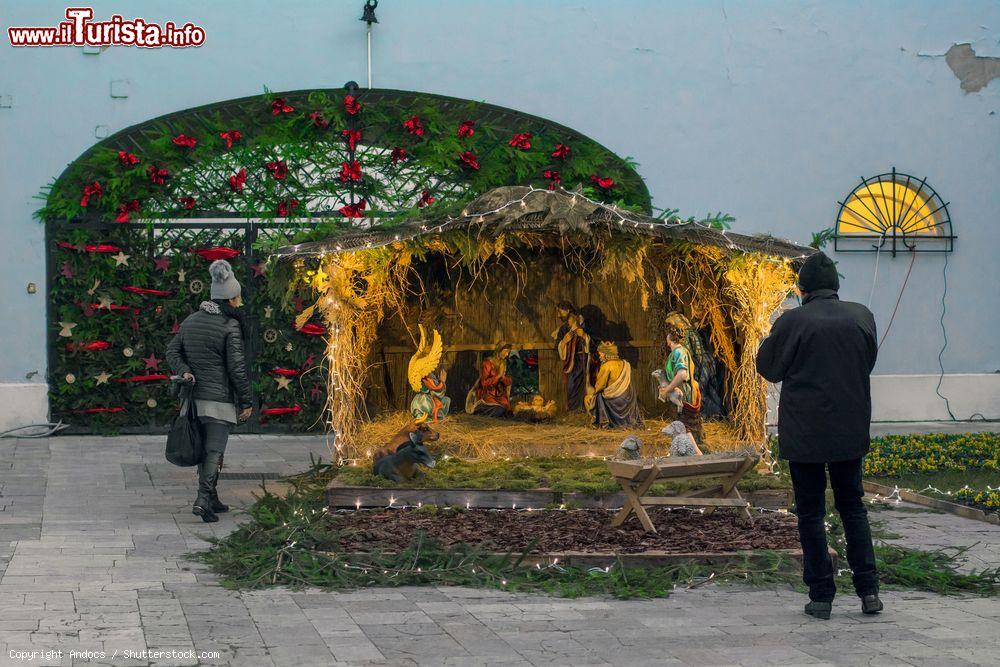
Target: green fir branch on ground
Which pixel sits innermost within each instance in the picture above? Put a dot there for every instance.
(292, 540)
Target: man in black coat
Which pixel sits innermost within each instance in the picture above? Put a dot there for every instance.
(823, 353)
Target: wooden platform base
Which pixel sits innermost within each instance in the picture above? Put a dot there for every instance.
(339, 496)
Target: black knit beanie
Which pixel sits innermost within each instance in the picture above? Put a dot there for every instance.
(818, 272)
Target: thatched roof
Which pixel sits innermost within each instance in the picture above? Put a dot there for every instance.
(518, 208)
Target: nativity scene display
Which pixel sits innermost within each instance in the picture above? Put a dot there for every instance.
(543, 323)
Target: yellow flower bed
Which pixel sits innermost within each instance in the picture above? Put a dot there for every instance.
(899, 454)
(989, 499)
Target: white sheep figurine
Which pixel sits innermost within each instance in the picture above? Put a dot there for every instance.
(681, 443)
(630, 449)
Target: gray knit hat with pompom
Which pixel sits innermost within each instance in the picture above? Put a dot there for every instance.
(224, 283)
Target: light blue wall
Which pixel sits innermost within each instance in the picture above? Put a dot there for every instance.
(770, 111)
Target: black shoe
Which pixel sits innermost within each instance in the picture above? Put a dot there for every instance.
(819, 609)
(870, 604)
(217, 505)
(205, 512)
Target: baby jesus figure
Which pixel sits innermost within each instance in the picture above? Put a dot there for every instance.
(537, 409)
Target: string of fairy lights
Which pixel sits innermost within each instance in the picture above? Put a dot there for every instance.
(895, 495)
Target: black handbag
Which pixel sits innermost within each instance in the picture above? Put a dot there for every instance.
(186, 440)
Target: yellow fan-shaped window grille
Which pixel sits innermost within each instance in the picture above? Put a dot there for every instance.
(893, 207)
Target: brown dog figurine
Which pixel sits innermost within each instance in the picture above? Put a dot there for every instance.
(403, 436)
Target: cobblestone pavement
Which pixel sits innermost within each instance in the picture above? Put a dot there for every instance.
(92, 534)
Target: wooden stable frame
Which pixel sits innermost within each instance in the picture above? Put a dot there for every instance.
(636, 478)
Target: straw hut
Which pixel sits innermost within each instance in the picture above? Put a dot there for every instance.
(496, 272)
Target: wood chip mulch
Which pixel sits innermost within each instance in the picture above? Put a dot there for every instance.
(585, 530)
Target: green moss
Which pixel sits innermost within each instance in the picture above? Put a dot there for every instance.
(581, 475)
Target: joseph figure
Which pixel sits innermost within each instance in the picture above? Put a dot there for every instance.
(573, 344)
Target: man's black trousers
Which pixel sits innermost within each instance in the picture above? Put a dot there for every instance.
(809, 484)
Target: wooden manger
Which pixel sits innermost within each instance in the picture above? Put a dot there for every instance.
(637, 477)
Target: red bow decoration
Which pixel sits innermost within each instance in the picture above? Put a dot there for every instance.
(286, 372)
(155, 377)
(414, 126)
(237, 180)
(313, 329)
(351, 105)
(353, 210)
(317, 119)
(188, 202)
(286, 206)
(184, 141)
(92, 190)
(469, 159)
(230, 136)
(521, 140)
(425, 199)
(278, 169)
(127, 159)
(92, 346)
(350, 171)
(398, 154)
(466, 129)
(158, 176)
(212, 254)
(109, 308)
(126, 210)
(280, 106)
(100, 247)
(555, 178)
(352, 137)
(98, 411)
(275, 412)
(561, 151)
(603, 183)
(149, 292)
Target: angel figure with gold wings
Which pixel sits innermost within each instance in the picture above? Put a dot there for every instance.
(428, 380)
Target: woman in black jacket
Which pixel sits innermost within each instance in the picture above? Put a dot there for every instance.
(208, 352)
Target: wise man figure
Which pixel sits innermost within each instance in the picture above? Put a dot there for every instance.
(613, 402)
(490, 396)
(573, 345)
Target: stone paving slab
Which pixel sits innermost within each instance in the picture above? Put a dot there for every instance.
(93, 533)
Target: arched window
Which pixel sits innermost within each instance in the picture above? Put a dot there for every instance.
(890, 209)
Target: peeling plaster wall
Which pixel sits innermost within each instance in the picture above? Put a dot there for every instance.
(769, 111)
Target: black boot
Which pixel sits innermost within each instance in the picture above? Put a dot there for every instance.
(203, 508)
(208, 477)
(217, 505)
(819, 609)
(870, 604)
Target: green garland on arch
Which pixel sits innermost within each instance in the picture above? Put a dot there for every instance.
(285, 160)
